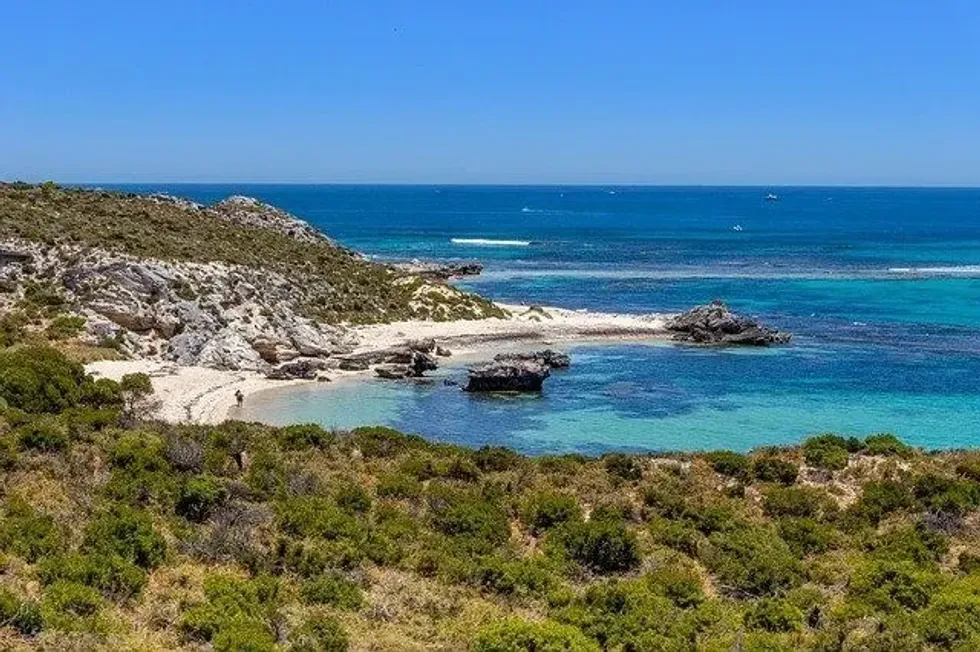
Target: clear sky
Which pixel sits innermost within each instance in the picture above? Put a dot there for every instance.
(503, 91)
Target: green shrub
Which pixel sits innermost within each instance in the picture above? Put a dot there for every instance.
(112, 575)
(398, 485)
(804, 502)
(524, 636)
(878, 500)
(916, 543)
(353, 498)
(39, 379)
(945, 495)
(805, 536)
(462, 469)
(752, 560)
(314, 516)
(45, 433)
(229, 604)
(769, 468)
(545, 510)
(23, 615)
(514, 576)
(199, 497)
(484, 523)
(334, 590)
(952, 619)
(679, 584)
(141, 472)
(729, 463)
(266, 474)
(65, 327)
(71, 598)
(623, 466)
(244, 636)
(893, 586)
(321, 633)
(774, 615)
(886, 444)
(383, 442)
(679, 535)
(304, 437)
(826, 452)
(27, 533)
(496, 458)
(601, 546)
(128, 533)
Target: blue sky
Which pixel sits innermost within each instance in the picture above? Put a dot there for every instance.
(508, 91)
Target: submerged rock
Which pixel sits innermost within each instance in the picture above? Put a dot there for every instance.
(508, 376)
(549, 358)
(714, 323)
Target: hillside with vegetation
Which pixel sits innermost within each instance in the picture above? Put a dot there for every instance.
(122, 534)
(238, 284)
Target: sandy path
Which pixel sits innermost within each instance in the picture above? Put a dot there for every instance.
(202, 395)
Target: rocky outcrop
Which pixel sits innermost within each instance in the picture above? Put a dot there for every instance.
(409, 361)
(549, 358)
(440, 271)
(303, 369)
(715, 324)
(252, 212)
(507, 376)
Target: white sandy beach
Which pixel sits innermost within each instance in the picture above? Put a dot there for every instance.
(202, 395)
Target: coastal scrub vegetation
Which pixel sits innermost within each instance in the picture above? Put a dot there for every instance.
(119, 533)
(336, 284)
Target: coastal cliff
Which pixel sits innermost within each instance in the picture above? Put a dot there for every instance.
(235, 285)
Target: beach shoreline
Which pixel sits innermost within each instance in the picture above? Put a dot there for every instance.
(201, 395)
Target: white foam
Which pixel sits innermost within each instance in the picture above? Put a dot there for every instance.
(484, 242)
(953, 269)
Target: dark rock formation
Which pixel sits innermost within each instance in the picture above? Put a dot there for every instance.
(440, 271)
(508, 376)
(295, 370)
(714, 323)
(548, 357)
(394, 371)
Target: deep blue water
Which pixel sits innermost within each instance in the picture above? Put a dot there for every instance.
(881, 287)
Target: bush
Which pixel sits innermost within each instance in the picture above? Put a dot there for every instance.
(383, 442)
(112, 575)
(805, 502)
(128, 533)
(244, 636)
(773, 469)
(199, 497)
(483, 522)
(229, 604)
(496, 458)
(353, 498)
(893, 586)
(943, 495)
(398, 485)
(886, 444)
(65, 327)
(752, 560)
(878, 500)
(46, 434)
(304, 437)
(827, 452)
(601, 546)
(513, 576)
(22, 615)
(141, 471)
(28, 533)
(321, 634)
(917, 544)
(774, 615)
(729, 463)
(545, 510)
(314, 516)
(623, 466)
(39, 379)
(952, 620)
(524, 636)
(334, 590)
(806, 536)
(71, 598)
(679, 584)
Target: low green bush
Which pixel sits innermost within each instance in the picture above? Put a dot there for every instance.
(230, 604)
(23, 615)
(600, 546)
(734, 465)
(321, 633)
(753, 561)
(315, 516)
(525, 636)
(304, 436)
(398, 485)
(71, 598)
(27, 533)
(545, 510)
(774, 615)
(46, 434)
(492, 459)
(802, 502)
(828, 451)
(110, 574)
(886, 444)
(64, 327)
(805, 536)
(128, 533)
(679, 583)
(769, 468)
(624, 467)
(200, 496)
(334, 590)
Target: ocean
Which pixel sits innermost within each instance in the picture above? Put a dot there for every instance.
(880, 286)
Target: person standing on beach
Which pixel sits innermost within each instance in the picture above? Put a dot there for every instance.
(239, 397)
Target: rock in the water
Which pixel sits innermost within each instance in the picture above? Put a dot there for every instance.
(394, 371)
(714, 323)
(353, 364)
(440, 271)
(443, 352)
(507, 376)
(549, 358)
(295, 370)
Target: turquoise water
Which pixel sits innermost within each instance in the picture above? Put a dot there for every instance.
(881, 287)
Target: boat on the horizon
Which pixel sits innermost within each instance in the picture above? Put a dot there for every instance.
(772, 197)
